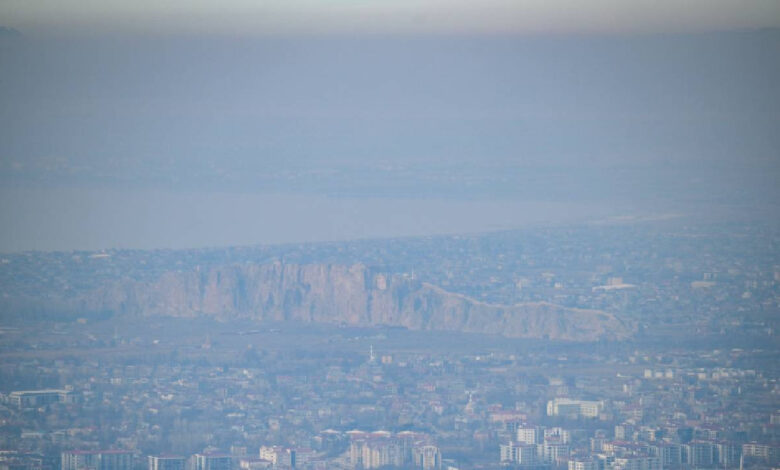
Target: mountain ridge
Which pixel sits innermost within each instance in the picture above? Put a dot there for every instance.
(353, 295)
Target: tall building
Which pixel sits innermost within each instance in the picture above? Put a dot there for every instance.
(35, 398)
(97, 460)
(212, 462)
(530, 434)
(427, 457)
(767, 453)
(167, 462)
(700, 454)
(301, 456)
(669, 453)
(278, 456)
(574, 408)
(557, 435)
(381, 453)
(583, 464)
(728, 454)
(520, 453)
(552, 452)
(375, 453)
(247, 463)
(624, 432)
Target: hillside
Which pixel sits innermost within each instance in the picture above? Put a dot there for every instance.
(339, 294)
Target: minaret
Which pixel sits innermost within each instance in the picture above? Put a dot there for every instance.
(371, 357)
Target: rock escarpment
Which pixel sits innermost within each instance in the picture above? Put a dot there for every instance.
(352, 295)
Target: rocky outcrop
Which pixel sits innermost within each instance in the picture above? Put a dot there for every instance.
(352, 295)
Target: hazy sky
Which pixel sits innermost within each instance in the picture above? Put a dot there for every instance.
(189, 123)
(385, 16)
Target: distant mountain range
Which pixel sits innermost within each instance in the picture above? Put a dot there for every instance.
(336, 294)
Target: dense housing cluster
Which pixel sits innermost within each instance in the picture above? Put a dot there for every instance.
(696, 388)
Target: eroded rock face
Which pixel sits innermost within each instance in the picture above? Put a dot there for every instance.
(352, 295)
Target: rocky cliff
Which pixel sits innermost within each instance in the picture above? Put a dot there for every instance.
(353, 295)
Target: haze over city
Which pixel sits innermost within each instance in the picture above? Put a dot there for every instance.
(375, 234)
